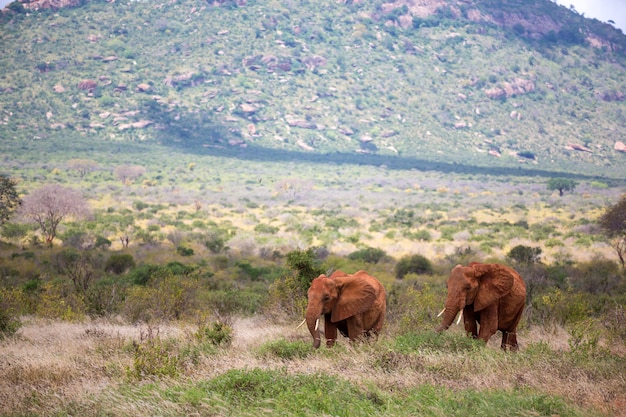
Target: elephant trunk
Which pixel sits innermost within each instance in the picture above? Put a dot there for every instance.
(312, 322)
(448, 317)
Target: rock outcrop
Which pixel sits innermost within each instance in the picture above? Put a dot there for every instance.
(49, 4)
(620, 147)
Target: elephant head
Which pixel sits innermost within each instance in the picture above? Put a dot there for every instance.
(477, 284)
(338, 297)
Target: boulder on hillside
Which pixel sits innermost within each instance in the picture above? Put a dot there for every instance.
(50, 4)
(87, 85)
(302, 123)
(517, 87)
(143, 87)
(620, 147)
(576, 147)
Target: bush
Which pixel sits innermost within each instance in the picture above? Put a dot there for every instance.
(217, 334)
(306, 265)
(155, 357)
(524, 255)
(369, 255)
(416, 264)
(215, 242)
(598, 276)
(119, 263)
(184, 251)
(166, 297)
(9, 322)
(102, 243)
(285, 350)
(413, 306)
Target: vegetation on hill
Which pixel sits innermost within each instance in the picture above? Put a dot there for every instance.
(484, 83)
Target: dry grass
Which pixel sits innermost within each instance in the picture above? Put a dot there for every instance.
(48, 366)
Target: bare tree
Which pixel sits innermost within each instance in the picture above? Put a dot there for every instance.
(82, 166)
(81, 267)
(128, 173)
(51, 204)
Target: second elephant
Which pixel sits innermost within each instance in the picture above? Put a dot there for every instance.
(491, 296)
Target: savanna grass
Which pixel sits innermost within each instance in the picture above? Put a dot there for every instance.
(254, 392)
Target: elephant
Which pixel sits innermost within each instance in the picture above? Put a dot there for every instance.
(491, 296)
(355, 304)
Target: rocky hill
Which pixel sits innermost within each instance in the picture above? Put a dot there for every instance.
(484, 82)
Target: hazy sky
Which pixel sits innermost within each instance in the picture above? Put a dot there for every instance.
(602, 10)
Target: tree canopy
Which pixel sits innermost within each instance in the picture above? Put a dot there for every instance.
(561, 184)
(49, 205)
(613, 224)
(9, 198)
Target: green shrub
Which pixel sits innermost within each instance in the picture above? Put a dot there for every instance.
(142, 274)
(306, 266)
(140, 205)
(184, 251)
(416, 264)
(165, 297)
(369, 255)
(119, 263)
(155, 357)
(215, 241)
(9, 319)
(524, 255)
(266, 229)
(422, 235)
(598, 276)
(217, 334)
(286, 350)
(102, 243)
(560, 307)
(413, 306)
(56, 301)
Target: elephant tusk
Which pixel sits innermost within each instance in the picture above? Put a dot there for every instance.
(317, 324)
(442, 311)
(300, 325)
(460, 317)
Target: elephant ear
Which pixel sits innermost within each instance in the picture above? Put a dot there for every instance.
(356, 296)
(337, 273)
(495, 282)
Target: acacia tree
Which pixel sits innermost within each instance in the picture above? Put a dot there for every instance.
(9, 199)
(613, 223)
(128, 173)
(50, 205)
(561, 184)
(82, 166)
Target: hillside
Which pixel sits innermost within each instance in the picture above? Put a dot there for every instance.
(481, 83)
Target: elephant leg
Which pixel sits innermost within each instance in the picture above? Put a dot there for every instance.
(488, 323)
(469, 321)
(355, 327)
(509, 341)
(330, 331)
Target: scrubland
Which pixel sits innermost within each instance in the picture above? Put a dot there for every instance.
(198, 315)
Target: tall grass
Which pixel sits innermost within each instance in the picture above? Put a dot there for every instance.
(55, 368)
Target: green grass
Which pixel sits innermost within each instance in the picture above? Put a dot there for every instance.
(254, 392)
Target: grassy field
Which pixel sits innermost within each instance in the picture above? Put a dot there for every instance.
(60, 368)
